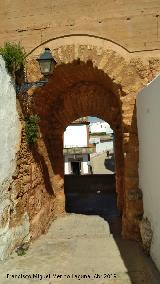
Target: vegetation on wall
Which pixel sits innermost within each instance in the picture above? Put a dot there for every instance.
(31, 128)
(14, 56)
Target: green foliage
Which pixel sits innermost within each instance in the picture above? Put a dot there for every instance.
(14, 56)
(32, 129)
(20, 252)
(22, 249)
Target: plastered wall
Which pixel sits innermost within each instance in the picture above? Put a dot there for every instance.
(9, 125)
(10, 137)
(148, 116)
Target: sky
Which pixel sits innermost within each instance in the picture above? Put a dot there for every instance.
(94, 119)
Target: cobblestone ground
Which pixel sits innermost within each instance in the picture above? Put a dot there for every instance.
(80, 249)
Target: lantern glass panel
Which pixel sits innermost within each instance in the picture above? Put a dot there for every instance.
(45, 66)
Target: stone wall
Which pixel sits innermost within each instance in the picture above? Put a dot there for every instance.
(32, 188)
(131, 24)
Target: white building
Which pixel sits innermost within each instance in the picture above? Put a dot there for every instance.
(102, 144)
(76, 135)
(105, 142)
(100, 127)
(76, 148)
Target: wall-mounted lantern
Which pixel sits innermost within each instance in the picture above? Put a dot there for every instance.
(47, 64)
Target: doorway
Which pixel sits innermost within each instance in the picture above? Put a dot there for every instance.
(76, 168)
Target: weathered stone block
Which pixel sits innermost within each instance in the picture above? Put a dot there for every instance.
(134, 194)
(146, 234)
(26, 179)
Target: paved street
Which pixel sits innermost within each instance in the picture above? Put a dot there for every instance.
(80, 249)
(101, 164)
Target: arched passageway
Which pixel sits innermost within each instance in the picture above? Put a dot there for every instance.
(79, 88)
(89, 170)
(89, 92)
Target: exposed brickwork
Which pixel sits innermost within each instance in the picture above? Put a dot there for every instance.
(101, 83)
(31, 189)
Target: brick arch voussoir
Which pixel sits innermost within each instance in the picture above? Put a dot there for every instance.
(106, 56)
(114, 65)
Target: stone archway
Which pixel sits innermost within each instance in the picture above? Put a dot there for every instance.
(91, 80)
